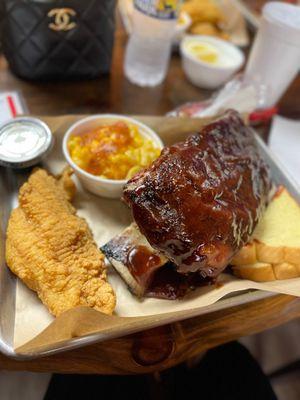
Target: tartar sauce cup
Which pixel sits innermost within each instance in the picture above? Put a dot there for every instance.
(109, 188)
(205, 74)
(24, 142)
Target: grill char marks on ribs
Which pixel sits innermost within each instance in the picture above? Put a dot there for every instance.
(199, 202)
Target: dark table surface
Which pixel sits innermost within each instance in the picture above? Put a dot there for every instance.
(114, 93)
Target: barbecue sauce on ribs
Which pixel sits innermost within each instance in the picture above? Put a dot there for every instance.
(199, 202)
(142, 263)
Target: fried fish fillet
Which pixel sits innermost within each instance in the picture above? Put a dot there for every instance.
(52, 250)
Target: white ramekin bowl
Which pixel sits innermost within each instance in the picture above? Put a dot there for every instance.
(103, 187)
(181, 27)
(205, 75)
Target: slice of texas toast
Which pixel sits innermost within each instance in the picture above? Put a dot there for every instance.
(274, 251)
(259, 272)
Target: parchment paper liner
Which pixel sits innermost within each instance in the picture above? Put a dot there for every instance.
(35, 329)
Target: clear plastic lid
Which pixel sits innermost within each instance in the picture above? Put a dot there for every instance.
(24, 142)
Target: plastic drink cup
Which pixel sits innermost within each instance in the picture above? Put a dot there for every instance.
(274, 60)
(149, 47)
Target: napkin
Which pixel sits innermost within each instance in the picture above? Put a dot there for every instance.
(12, 104)
(285, 143)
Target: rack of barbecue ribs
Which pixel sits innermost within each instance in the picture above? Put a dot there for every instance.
(194, 208)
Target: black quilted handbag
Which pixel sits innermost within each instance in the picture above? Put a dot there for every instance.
(58, 39)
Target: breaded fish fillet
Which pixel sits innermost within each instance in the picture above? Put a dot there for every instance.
(52, 249)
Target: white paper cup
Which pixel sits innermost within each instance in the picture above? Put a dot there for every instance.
(274, 60)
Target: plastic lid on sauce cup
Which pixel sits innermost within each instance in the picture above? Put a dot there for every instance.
(24, 141)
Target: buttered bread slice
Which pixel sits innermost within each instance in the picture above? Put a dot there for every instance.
(274, 251)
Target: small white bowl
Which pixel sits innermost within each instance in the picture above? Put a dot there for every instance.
(181, 27)
(210, 76)
(109, 188)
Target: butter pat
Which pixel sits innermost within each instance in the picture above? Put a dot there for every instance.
(204, 52)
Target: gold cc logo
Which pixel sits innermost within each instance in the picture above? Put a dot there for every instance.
(62, 20)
